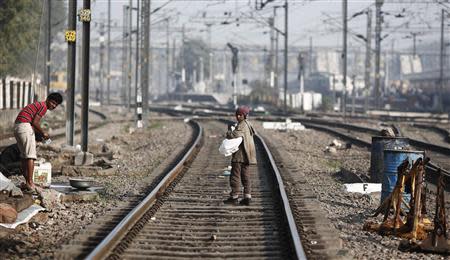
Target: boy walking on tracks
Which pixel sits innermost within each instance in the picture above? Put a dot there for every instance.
(242, 159)
(26, 124)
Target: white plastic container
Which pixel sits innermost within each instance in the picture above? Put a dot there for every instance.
(42, 174)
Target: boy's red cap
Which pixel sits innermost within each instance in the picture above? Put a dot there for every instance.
(242, 110)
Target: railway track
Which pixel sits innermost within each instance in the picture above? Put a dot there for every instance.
(339, 130)
(184, 217)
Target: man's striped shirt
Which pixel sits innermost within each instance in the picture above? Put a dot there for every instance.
(28, 113)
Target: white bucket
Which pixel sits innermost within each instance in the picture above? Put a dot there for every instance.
(42, 174)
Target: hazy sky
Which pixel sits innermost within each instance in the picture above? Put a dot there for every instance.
(320, 19)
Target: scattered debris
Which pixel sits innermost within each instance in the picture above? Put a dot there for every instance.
(387, 132)
(284, 126)
(24, 216)
(7, 185)
(335, 145)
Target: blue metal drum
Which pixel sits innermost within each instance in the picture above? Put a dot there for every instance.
(392, 159)
(379, 144)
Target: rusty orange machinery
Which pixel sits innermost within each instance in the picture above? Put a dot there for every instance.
(407, 219)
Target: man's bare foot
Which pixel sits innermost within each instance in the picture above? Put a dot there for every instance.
(30, 187)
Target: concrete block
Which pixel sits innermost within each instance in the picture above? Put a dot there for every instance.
(74, 171)
(85, 196)
(84, 158)
(69, 149)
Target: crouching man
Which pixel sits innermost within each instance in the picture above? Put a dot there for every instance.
(242, 159)
(26, 124)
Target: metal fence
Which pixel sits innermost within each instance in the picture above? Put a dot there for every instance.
(16, 94)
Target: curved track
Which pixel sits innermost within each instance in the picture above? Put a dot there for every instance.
(184, 217)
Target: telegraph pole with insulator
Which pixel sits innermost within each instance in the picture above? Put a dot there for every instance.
(441, 64)
(108, 44)
(368, 59)
(85, 17)
(71, 67)
(49, 42)
(344, 58)
(285, 54)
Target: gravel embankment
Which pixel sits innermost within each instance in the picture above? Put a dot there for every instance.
(136, 154)
(325, 173)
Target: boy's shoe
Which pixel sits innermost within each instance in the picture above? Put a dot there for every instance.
(245, 202)
(231, 201)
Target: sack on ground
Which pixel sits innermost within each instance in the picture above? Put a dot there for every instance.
(230, 146)
(7, 213)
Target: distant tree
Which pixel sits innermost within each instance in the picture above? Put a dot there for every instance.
(20, 22)
(190, 54)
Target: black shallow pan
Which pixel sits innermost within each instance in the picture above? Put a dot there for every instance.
(80, 184)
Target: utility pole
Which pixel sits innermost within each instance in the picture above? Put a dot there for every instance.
(272, 50)
(142, 92)
(334, 90)
(310, 62)
(49, 42)
(234, 67)
(441, 64)
(368, 59)
(201, 69)
(125, 34)
(183, 62)
(378, 5)
(301, 80)
(353, 94)
(138, 66)
(277, 36)
(414, 43)
(108, 76)
(130, 51)
(71, 67)
(285, 54)
(210, 53)
(344, 58)
(168, 72)
(86, 19)
(173, 63)
(101, 71)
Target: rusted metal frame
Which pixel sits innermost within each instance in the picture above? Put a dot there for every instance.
(417, 199)
(296, 241)
(397, 221)
(110, 241)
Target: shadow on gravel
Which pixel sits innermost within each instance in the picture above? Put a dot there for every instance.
(7, 245)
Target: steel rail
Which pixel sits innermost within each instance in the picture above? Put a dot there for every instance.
(430, 166)
(293, 232)
(114, 237)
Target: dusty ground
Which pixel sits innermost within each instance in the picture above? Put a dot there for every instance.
(136, 153)
(141, 151)
(347, 211)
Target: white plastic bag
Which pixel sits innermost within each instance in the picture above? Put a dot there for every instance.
(230, 146)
